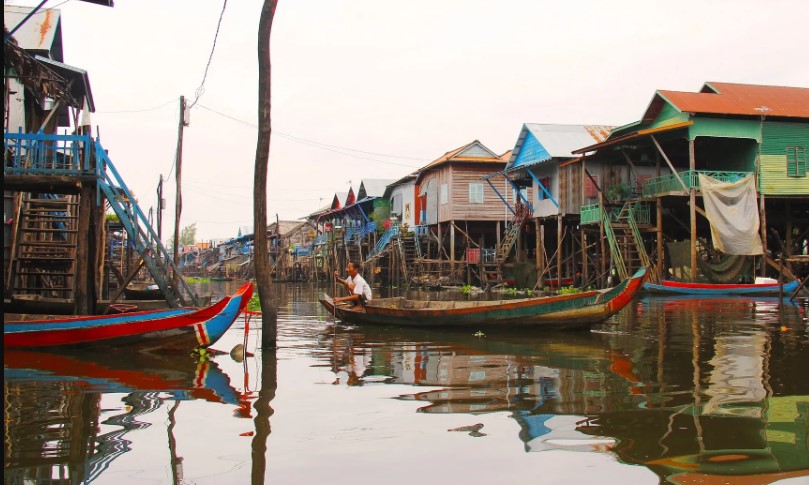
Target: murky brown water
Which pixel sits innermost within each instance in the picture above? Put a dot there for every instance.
(669, 391)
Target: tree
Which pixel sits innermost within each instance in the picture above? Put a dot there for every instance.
(188, 236)
(269, 314)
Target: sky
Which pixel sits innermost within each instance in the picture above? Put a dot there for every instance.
(374, 89)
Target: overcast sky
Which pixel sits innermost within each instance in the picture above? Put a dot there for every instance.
(377, 89)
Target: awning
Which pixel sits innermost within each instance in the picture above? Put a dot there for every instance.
(632, 136)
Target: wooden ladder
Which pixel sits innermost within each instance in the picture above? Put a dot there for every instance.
(45, 255)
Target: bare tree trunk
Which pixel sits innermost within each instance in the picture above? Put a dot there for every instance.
(269, 314)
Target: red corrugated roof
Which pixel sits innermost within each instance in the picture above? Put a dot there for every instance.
(740, 100)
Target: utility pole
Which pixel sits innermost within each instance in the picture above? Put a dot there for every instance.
(178, 204)
(160, 205)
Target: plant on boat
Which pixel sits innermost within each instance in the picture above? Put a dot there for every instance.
(254, 305)
(529, 292)
(466, 289)
(568, 290)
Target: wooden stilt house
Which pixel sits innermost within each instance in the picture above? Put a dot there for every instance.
(726, 132)
(547, 182)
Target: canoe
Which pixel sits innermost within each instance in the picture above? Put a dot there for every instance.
(761, 289)
(143, 291)
(571, 311)
(173, 329)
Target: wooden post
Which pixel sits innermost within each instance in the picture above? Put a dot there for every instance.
(661, 260)
(452, 247)
(84, 273)
(540, 255)
(692, 213)
(763, 228)
(178, 204)
(788, 236)
(585, 273)
(559, 251)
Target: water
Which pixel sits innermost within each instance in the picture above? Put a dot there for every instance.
(669, 391)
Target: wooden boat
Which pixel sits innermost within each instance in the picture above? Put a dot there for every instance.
(142, 291)
(570, 311)
(173, 329)
(760, 289)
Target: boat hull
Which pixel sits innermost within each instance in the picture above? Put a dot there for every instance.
(573, 311)
(180, 329)
(677, 288)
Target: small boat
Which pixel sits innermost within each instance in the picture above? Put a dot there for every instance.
(143, 291)
(173, 329)
(768, 288)
(570, 311)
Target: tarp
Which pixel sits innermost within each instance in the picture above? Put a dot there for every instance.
(732, 210)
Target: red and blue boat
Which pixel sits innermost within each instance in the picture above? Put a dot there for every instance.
(182, 329)
(715, 289)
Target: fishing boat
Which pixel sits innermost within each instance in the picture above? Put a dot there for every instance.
(173, 329)
(569, 311)
(765, 288)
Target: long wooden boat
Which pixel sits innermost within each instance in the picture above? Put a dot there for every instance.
(571, 311)
(173, 329)
(761, 289)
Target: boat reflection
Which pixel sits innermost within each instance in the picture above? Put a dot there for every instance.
(54, 410)
(686, 387)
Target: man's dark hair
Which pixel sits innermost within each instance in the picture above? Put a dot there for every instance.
(355, 264)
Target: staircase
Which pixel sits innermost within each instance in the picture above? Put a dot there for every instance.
(512, 232)
(141, 235)
(44, 259)
(622, 228)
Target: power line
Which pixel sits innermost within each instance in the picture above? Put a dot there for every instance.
(323, 146)
(138, 110)
(201, 89)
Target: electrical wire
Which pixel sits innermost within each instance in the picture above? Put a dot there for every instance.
(324, 146)
(201, 89)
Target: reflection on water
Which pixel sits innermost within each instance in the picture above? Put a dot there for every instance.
(693, 390)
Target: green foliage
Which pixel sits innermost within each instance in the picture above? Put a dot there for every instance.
(254, 305)
(466, 289)
(196, 279)
(529, 292)
(188, 235)
(111, 217)
(568, 290)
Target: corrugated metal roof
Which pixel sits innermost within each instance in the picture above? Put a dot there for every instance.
(78, 78)
(547, 141)
(467, 153)
(373, 187)
(42, 32)
(736, 99)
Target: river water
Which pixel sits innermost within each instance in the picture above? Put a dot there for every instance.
(671, 390)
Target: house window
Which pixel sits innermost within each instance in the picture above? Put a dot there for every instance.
(590, 189)
(796, 161)
(475, 193)
(545, 182)
(444, 194)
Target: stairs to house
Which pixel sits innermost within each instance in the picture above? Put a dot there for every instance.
(44, 260)
(627, 248)
(141, 236)
(512, 232)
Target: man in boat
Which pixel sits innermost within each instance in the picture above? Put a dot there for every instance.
(360, 291)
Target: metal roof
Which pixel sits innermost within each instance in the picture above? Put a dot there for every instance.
(41, 33)
(474, 152)
(632, 136)
(736, 99)
(373, 187)
(78, 79)
(548, 141)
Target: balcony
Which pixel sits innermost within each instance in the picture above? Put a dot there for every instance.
(49, 155)
(590, 214)
(669, 183)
